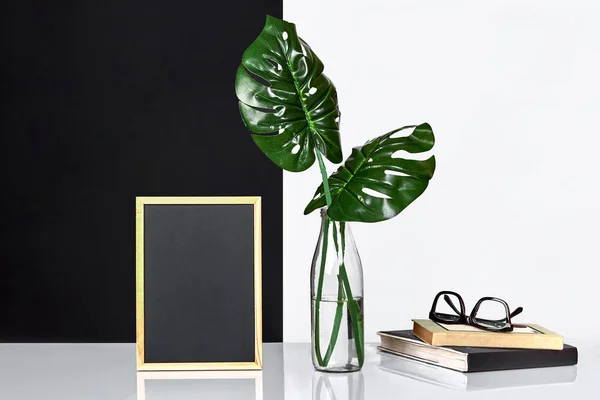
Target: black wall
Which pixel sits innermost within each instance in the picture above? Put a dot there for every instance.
(102, 101)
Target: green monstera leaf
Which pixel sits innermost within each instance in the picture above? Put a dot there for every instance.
(373, 184)
(286, 101)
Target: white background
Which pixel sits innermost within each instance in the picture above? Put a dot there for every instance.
(512, 91)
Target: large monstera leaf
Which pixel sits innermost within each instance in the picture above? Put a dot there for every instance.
(285, 99)
(373, 184)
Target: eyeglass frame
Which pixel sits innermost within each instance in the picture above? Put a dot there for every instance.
(470, 319)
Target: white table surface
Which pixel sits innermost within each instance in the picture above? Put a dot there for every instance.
(107, 371)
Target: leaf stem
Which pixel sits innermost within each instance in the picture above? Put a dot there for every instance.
(357, 321)
(353, 307)
(319, 293)
(339, 312)
(324, 177)
(354, 315)
(344, 285)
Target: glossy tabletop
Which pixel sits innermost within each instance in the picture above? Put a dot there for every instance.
(107, 371)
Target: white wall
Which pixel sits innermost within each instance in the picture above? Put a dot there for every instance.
(512, 90)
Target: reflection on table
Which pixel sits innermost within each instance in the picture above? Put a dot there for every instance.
(175, 385)
(338, 386)
(107, 371)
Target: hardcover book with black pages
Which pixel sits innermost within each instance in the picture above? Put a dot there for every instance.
(476, 381)
(473, 359)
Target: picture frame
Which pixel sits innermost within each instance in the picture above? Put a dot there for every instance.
(153, 216)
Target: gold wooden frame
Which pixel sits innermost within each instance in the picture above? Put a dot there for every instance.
(139, 237)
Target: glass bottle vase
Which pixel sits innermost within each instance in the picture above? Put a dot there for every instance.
(337, 300)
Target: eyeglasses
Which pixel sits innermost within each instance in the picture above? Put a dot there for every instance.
(492, 323)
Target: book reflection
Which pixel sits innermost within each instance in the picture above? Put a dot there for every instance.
(180, 385)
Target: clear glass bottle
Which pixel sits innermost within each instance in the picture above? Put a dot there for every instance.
(337, 300)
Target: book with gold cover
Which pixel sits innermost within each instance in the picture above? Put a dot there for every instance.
(524, 336)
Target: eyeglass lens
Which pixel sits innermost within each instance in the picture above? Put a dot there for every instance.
(448, 308)
(492, 314)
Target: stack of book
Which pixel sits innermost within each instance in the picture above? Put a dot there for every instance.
(463, 348)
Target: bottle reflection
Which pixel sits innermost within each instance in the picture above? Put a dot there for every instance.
(328, 386)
